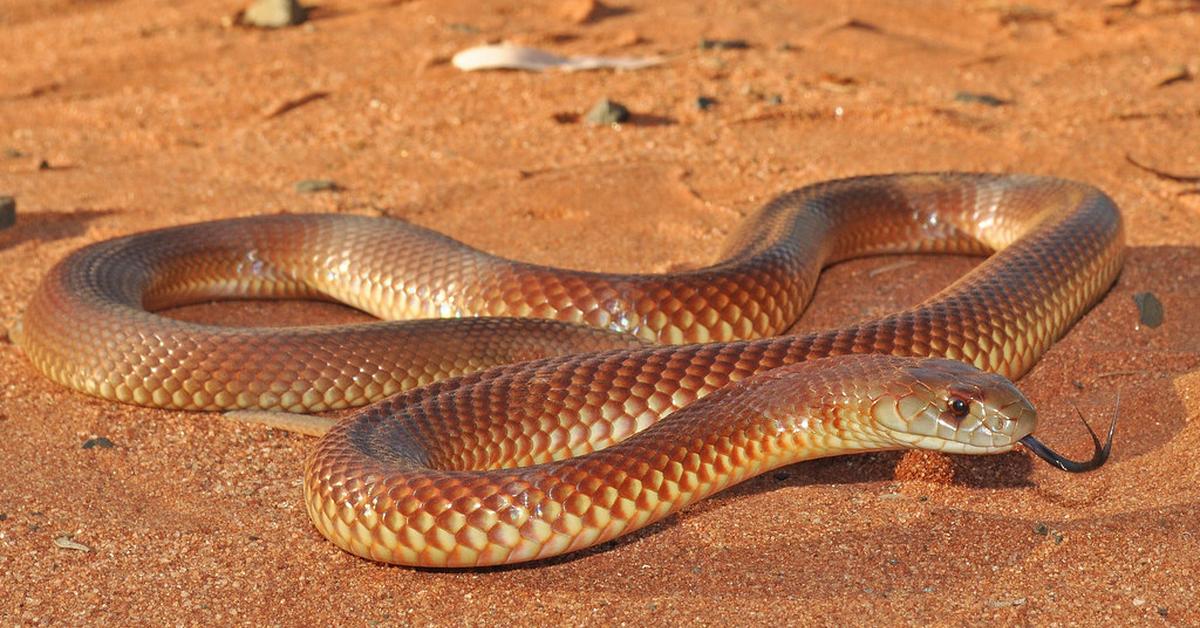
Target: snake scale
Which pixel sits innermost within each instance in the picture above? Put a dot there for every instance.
(631, 396)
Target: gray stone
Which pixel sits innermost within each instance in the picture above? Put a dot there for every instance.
(607, 112)
(8, 212)
(724, 44)
(981, 98)
(1150, 309)
(308, 186)
(98, 442)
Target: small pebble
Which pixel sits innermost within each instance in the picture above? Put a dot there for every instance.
(13, 153)
(775, 99)
(8, 212)
(627, 37)
(308, 186)
(66, 542)
(1041, 529)
(980, 98)
(578, 11)
(98, 442)
(43, 164)
(723, 44)
(607, 112)
(1150, 309)
(274, 13)
(704, 103)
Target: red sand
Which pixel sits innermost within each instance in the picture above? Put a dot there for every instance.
(151, 114)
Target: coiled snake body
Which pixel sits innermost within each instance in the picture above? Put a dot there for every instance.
(425, 477)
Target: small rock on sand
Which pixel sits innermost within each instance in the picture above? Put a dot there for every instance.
(66, 542)
(1150, 309)
(578, 11)
(981, 98)
(607, 112)
(274, 13)
(308, 186)
(8, 212)
(724, 44)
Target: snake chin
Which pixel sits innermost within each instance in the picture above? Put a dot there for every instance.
(953, 407)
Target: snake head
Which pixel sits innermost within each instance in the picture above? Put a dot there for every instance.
(953, 407)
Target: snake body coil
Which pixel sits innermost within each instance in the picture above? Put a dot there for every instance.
(417, 479)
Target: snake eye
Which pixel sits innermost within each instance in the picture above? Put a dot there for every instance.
(959, 407)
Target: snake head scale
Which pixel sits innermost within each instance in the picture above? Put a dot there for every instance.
(952, 407)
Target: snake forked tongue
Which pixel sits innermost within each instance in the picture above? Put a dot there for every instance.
(1099, 455)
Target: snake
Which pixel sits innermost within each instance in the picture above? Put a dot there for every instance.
(515, 411)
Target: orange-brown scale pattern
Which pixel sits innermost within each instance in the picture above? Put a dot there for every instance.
(427, 482)
(1057, 246)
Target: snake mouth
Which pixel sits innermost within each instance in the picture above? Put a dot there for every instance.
(945, 446)
(1099, 455)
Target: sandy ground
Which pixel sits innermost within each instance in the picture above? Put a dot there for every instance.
(128, 114)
